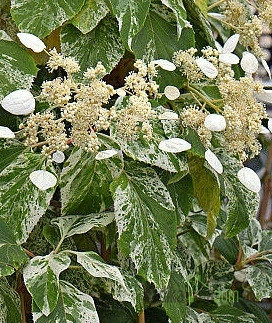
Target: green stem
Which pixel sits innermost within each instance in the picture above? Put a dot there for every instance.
(216, 4)
(226, 23)
(59, 245)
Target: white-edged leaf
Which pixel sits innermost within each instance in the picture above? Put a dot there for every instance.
(58, 157)
(265, 96)
(31, 41)
(41, 278)
(169, 115)
(249, 63)
(215, 122)
(73, 307)
(229, 58)
(5, 132)
(231, 44)
(104, 154)
(165, 64)
(174, 145)
(266, 67)
(43, 179)
(249, 179)
(213, 161)
(19, 102)
(171, 92)
(207, 67)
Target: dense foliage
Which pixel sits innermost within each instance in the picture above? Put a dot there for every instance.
(124, 129)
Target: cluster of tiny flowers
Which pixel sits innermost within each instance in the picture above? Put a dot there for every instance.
(135, 117)
(56, 60)
(243, 115)
(265, 10)
(186, 61)
(194, 117)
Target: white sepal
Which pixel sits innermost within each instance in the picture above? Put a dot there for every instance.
(249, 179)
(269, 124)
(171, 92)
(240, 276)
(266, 67)
(231, 44)
(168, 115)
(218, 46)
(229, 58)
(207, 67)
(19, 102)
(165, 64)
(215, 122)
(266, 96)
(174, 145)
(31, 41)
(106, 154)
(58, 157)
(249, 63)
(264, 131)
(5, 132)
(213, 161)
(43, 179)
(121, 92)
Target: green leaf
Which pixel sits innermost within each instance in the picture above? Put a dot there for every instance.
(158, 37)
(131, 16)
(9, 304)
(12, 256)
(90, 15)
(202, 5)
(179, 11)
(85, 181)
(73, 307)
(41, 17)
(228, 248)
(197, 147)
(146, 222)
(17, 68)
(78, 224)
(174, 300)
(22, 203)
(229, 314)
(41, 278)
(207, 192)
(254, 308)
(101, 44)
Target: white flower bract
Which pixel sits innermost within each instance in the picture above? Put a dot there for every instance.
(269, 124)
(266, 67)
(249, 179)
(265, 96)
(58, 157)
(213, 161)
(168, 115)
(106, 154)
(5, 132)
(171, 92)
(264, 131)
(121, 92)
(19, 102)
(229, 58)
(165, 64)
(207, 67)
(43, 179)
(231, 44)
(174, 145)
(249, 63)
(215, 122)
(31, 41)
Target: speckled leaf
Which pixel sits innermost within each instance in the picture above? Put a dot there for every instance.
(73, 307)
(12, 256)
(85, 181)
(146, 223)
(21, 203)
(41, 278)
(78, 224)
(160, 29)
(131, 15)
(9, 304)
(41, 17)
(259, 278)
(101, 44)
(90, 15)
(17, 68)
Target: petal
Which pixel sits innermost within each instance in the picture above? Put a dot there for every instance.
(266, 96)
(19, 102)
(218, 47)
(249, 179)
(207, 67)
(168, 115)
(174, 145)
(165, 64)
(43, 179)
(106, 154)
(249, 63)
(264, 131)
(231, 44)
(121, 92)
(31, 41)
(171, 92)
(216, 15)
(58, 157)
(213, 161)
(266, 67)
(5, 132)
(269, 124)
(215, 122)
(229, 58)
